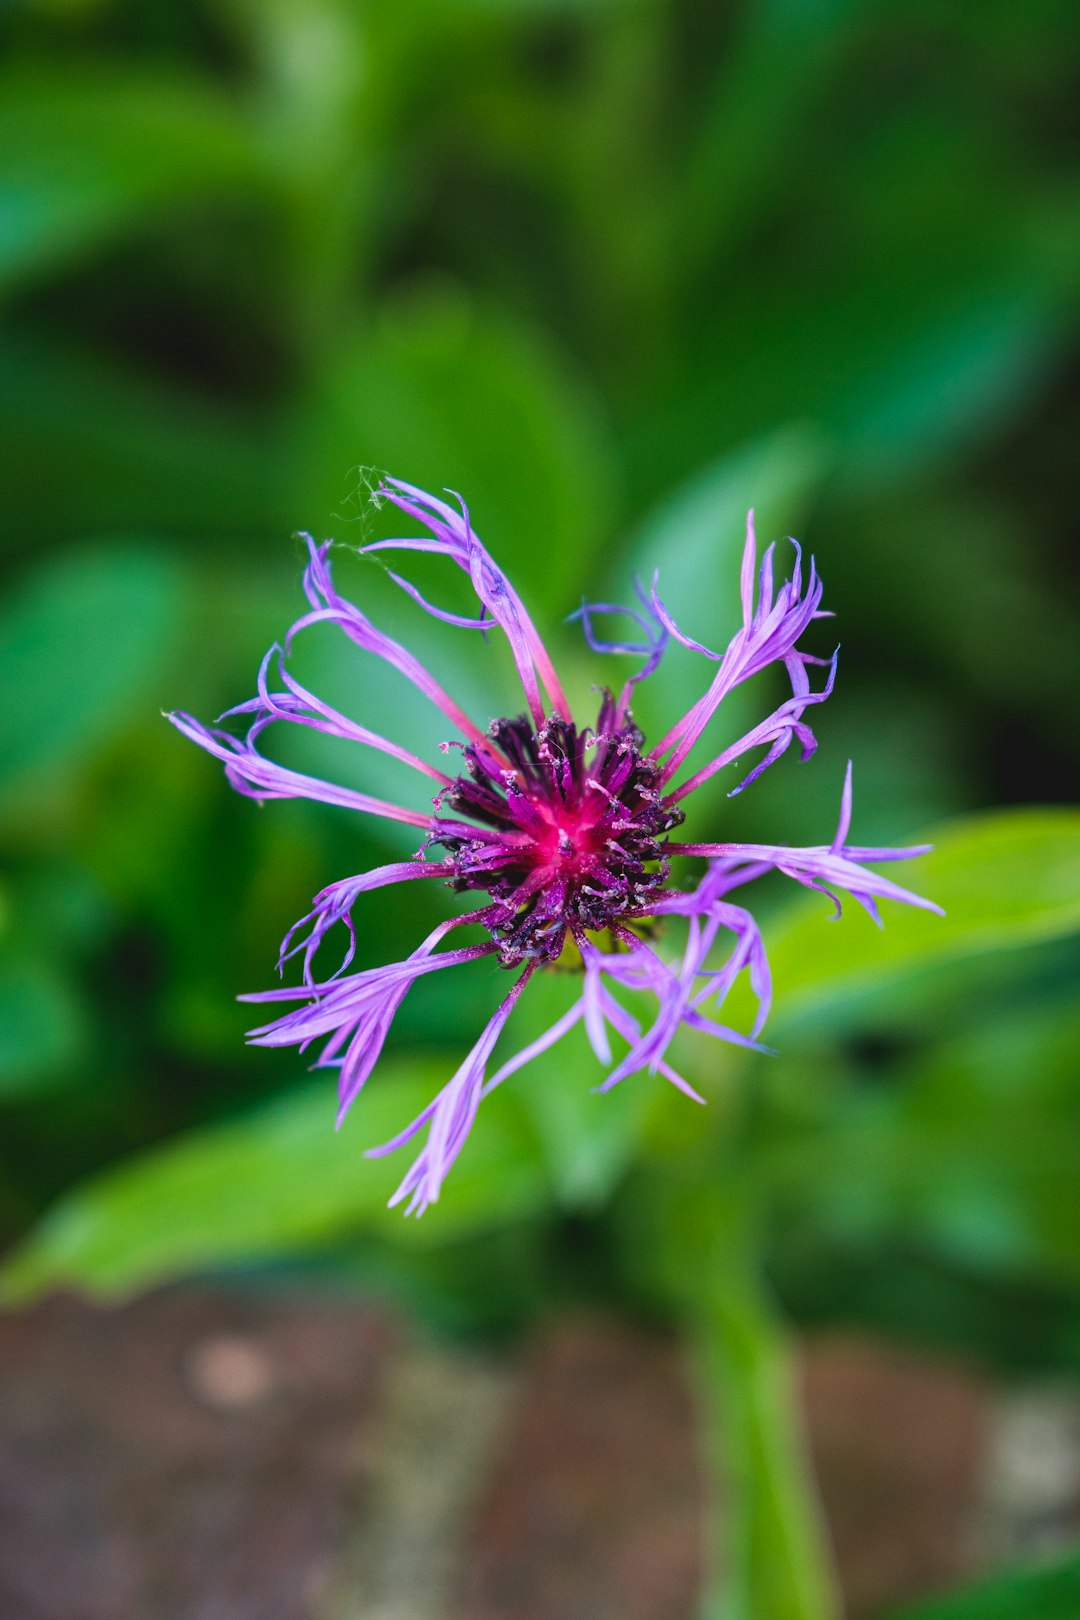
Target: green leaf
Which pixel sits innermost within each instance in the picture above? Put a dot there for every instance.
(971, 1153)
(898, 374)
(81, 644)
(42, 1026)
(1050, 1591)
(694, 541)
(755, 118)
(694, 538)
(135, 456)
(1004, 879)
(83, 156)
(280, 1179)
(447, 394)
(987, 1141)
(946, 377)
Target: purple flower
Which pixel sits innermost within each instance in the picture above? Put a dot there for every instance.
(562, 835)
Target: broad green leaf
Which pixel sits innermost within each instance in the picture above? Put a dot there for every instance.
(505, 10)
(1004, 879)
(279, 1180)
(81, 645)
(1046, 1591)
(84, 155)
(946, 377)
(924, 545)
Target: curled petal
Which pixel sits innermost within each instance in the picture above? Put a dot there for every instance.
(827, 866)
(651, 645)
(298, 706)
(449, 1116)
(334, 904)
(484, 622)
(769, 634)
(329, 607)
(450, 534)
(672, 628)
(259, 778)
(783, 727)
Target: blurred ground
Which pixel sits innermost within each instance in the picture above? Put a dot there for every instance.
(215, 1455)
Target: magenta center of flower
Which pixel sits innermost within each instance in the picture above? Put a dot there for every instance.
(564, 830)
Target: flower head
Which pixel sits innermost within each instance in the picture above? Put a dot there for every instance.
(560, 835)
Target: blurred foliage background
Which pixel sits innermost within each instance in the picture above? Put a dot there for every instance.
(615, 271)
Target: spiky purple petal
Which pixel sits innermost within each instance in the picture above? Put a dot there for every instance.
(562, 834)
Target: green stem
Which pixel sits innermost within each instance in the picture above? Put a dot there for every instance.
(770, 1550)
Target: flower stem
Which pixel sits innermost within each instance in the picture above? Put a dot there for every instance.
(769, 1547)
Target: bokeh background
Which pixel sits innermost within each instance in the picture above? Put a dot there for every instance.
(615, 271)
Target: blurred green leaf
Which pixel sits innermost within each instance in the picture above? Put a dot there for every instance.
(1048, 1591)
(1006, 878)
(694, 541)
(937, 550)
(279, 1180)
(82, 644)
(900, 374)
(42, 1026)
(88, 446)
(756, 113)
(972, 1153)
(446, 393)
(998, 1113)
(84, 155)
(945, 376)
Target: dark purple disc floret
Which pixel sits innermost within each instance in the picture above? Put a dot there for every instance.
(572, 834)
